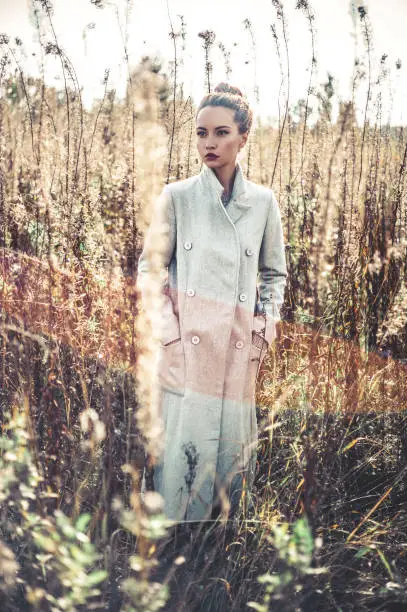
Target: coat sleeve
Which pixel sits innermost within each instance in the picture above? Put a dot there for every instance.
(158, 250)
(272, 269)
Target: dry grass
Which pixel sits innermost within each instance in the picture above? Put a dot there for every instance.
(76, 356)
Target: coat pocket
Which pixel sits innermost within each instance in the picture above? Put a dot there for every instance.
(260, 339)
(258, 347)
(171, 367)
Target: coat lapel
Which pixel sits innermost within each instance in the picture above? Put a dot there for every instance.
(239, 202)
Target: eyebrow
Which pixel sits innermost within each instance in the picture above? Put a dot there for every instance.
(200, 127)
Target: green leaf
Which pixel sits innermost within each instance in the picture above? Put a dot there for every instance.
(45, 543)
(80, 556)
(96, 577)
(258, 607)
(361, 553)
(303, 536)
(82, 522)
(385, 563)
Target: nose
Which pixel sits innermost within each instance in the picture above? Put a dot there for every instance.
(209, 144)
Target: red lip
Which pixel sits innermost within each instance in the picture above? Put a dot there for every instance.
(211, 156)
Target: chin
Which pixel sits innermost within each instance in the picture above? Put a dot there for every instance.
(212, 161)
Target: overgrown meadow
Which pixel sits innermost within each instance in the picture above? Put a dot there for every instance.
(78, 394)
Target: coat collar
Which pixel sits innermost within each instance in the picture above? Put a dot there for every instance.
(239, 201)
(239, 192)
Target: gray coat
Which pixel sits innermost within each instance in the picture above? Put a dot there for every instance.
(226, 264)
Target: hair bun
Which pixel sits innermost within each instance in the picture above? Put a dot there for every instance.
(226, 88)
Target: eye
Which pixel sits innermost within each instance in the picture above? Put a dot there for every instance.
(222, 132)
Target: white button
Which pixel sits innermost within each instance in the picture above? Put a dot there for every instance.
(239, 344)
(195, 339)
(249, 252)
(242, 297)
(187, 245)
(190, 292)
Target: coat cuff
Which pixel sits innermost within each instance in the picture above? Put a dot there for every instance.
(273, 310)
(271, 329)
(272, 318)
(259, 324)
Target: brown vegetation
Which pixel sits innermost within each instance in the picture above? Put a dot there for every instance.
(76, 189)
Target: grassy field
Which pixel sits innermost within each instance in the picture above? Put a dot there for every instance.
(78, 401)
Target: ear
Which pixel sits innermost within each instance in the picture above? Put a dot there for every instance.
(244, 139)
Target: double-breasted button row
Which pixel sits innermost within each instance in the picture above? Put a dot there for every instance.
(188, 246)
(196, 340)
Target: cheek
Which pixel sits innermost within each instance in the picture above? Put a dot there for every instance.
(231, 144)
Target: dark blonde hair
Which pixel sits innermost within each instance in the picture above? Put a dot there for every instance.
(230, 97)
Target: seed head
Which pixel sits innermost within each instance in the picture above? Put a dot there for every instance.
(362, 12)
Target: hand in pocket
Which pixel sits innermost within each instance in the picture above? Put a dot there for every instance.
(171, 367)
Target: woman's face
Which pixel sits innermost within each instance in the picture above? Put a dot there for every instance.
(217, 133)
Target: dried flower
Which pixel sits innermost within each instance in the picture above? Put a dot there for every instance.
(208, 36)
(362, 12)
(192, 460)
(52, 49)
(46, 5)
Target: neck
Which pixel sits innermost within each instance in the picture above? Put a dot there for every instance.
(226, 177)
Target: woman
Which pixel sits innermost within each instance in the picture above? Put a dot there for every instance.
(224, 232)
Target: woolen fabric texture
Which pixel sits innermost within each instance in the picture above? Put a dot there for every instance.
(225, 264)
